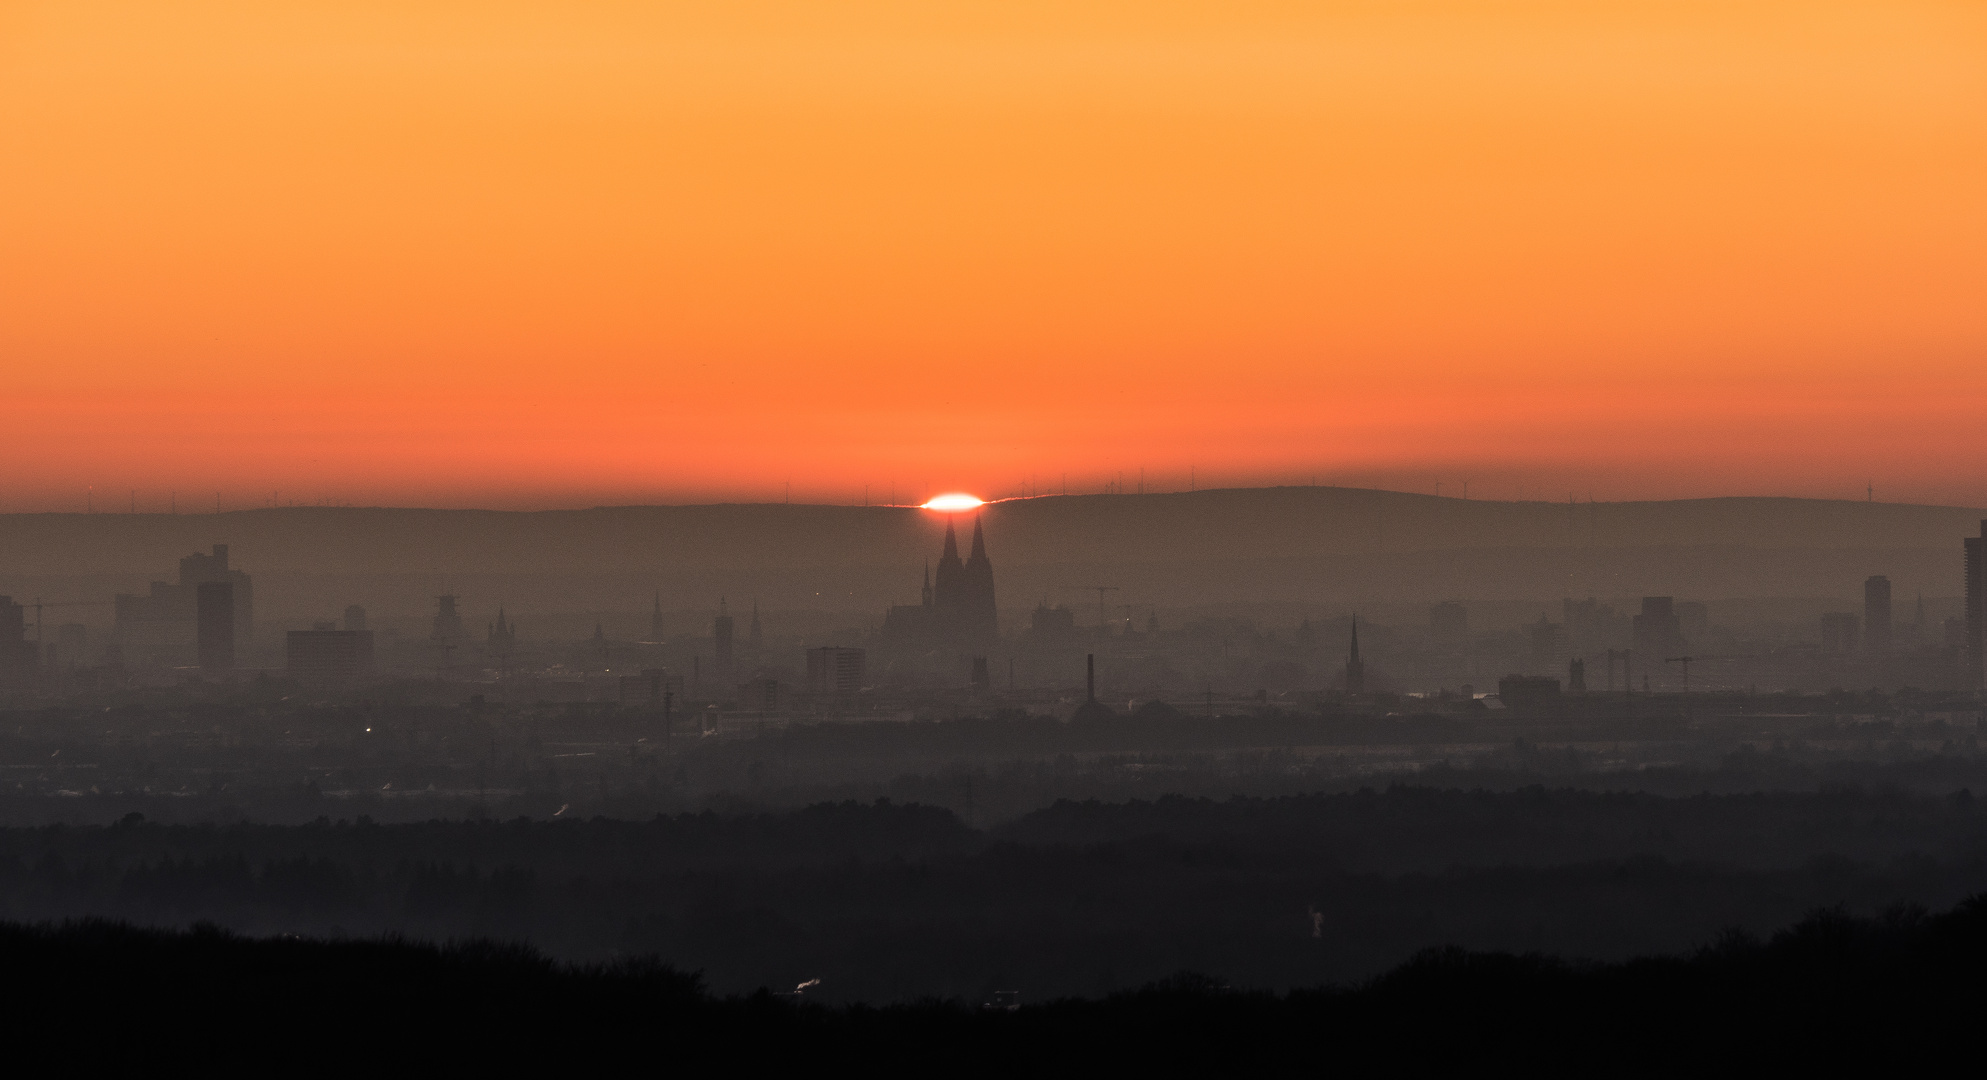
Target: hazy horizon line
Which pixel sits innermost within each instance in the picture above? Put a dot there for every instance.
(196, 510)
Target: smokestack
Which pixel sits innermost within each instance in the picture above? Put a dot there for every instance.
(1090, 665)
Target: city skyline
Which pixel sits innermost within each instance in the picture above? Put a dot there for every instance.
(828, 528)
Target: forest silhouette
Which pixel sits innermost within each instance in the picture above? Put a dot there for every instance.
(1897, 990)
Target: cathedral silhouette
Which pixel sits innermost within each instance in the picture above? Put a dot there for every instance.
(957, 610)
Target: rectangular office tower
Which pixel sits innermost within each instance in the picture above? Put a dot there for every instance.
(1876, 614)
(833, 670)
(214, 626)
(329, 655)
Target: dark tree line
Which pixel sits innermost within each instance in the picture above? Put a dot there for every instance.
(885, 902)
(1896, 992)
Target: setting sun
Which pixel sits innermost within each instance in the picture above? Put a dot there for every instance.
(952, 504)
(322, 251)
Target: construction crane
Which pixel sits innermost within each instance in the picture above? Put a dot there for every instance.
(39, 604)
(1686, 662)
(1103, 614)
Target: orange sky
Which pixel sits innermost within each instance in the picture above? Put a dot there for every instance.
(536, 254)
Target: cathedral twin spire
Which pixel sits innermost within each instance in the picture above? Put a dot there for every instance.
(964, 591)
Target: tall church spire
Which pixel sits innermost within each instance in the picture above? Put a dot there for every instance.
(981, 621)
(962, 592)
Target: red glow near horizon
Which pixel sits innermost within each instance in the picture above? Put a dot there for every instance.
(539, 255)
(954, 503)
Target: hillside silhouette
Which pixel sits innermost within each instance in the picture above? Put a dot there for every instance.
(1204, 547)
(886, 902)
(1896, 991)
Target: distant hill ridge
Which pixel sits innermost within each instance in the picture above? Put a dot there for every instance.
(1182, 527)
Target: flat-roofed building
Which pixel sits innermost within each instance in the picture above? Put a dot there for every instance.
(329, 655)
(836, 670)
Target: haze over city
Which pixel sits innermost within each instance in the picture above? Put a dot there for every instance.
(1086, 535)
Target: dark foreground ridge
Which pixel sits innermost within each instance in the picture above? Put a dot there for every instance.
(1895, 990)
(890, 902)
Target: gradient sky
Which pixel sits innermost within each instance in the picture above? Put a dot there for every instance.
(538, 254)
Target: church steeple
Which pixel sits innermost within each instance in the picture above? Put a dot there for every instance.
(503, 637)
(948, 592)
(980, 619)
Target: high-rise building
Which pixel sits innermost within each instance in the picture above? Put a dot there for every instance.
(329, 655)
(1876, 614)
(1052, 624)
(198, 569)
(655, 618)
(159, 626)
(755, 639)
(1355, 668)
(721, 635)
(1976, 608)
(1658, 631)
(835, 670)
(214, 625)
(448, 630)
(1531, 695)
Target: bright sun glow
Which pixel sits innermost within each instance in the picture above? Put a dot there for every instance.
(952, 504)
